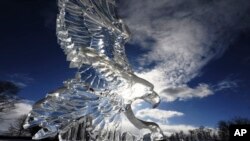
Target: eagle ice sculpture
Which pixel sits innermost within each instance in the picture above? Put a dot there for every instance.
(96, 104)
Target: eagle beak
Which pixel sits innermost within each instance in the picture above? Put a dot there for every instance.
(153, 99)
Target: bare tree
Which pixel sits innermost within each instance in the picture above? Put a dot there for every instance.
(225, 125)
(206, 134)
(16, 128)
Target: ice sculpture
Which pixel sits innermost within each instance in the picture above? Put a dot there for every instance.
(96, 104)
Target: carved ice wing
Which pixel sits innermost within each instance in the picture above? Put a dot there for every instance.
(89, 31)
(77, 113)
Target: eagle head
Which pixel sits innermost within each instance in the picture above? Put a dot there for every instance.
(142, 89)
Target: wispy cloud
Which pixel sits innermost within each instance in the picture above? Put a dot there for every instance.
(184, 36)
(22, 76)
(20, 79)
(225, 84)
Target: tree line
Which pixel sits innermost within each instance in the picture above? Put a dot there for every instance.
(205, 134)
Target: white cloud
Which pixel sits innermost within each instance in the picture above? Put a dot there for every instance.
(186, 34)
(184, 92)
(157, 115)
(21, 108)
(170, 129)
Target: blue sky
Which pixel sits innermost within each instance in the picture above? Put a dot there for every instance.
(196, 54)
